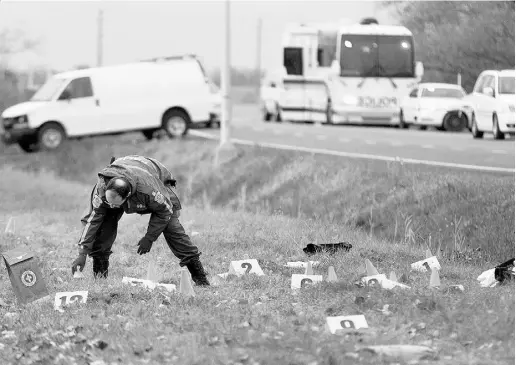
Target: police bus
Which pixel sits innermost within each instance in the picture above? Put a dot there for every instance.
(338, 74)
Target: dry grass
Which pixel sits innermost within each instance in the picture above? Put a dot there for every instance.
(248, 320)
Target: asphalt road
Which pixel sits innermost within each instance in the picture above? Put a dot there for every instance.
(433, 147)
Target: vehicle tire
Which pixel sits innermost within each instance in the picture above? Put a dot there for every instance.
(277, 117)
(28, 146)
(176, 123)
(148, 133)
(497, 134)
(51, 136)
(453, 123)
(267, 117)
(423, 128)
(402, 123)
(474, 128)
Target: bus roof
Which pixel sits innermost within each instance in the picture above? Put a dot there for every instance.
(370, 29)
(375, 29)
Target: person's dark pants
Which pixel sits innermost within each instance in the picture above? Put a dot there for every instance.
(175, 236)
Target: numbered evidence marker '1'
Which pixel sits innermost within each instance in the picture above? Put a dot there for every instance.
(243, 267)
(382, 281)
(333, 324)
(301, 281)
(26, 278)
(426, 264)
(66, 298)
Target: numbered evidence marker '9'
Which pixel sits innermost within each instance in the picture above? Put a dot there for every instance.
(426, 264)
(345, 322)
(243, 267)
(382, 282)
(26, 278)
(66, 298)
(302, 281)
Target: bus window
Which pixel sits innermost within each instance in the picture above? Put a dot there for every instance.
(395, 56)
(358, 55)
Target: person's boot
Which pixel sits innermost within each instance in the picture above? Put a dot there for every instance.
(197, 272)
(100, 267)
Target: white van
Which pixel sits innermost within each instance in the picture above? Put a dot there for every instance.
(170, 94)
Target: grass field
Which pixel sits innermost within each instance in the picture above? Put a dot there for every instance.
(248, 320)
(236, 209)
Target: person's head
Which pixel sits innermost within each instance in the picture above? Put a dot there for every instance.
(117, 191)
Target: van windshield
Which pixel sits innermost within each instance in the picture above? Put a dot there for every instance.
(48, 90)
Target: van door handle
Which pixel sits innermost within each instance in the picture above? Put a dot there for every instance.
(97, 102)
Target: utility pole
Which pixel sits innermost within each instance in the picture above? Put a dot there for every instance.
(100, 37)
(259, 53)
(226, 79)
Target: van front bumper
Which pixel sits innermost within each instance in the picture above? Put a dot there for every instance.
(15, 135)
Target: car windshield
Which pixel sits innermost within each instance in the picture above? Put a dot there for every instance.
(376, 56)
(435, 92)
(506, 85)
(48, 90)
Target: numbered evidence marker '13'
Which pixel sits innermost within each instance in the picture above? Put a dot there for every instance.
(26, 278)
(302, 281)
(243, 267)
(66, 298)
(345, 322)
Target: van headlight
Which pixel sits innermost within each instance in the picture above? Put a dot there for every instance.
(23, 119)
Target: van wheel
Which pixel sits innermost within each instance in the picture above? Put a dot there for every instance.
(497, 134)
(176, 123)
(402, 124)
(453, 123)
(51, 136)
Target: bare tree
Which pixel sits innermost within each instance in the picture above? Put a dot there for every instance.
(453, 36)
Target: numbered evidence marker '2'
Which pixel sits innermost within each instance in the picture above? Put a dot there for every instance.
(382, 281)
(26, 278)
(333, 324)
(426, 264)
(302, 281)
(243, 267)
(66, 298)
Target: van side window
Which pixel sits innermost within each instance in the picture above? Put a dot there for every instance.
(79, 88)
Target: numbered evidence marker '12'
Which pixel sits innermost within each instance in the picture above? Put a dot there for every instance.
(333, 324)
(426, 264)
(66, 298)
(382, 281)
(301, 281)
(26, 278)
(243, 267)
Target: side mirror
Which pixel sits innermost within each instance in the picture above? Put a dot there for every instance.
(488, 91)
(420, 69)
(335, 68)
(272, 84)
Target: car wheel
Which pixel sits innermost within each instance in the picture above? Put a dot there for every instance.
(497, 134)
(176, 123)
(402, 123)
(51, 136)
(474, 128)
(452, 122)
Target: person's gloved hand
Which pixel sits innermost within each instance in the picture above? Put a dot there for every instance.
(144, 246)
(79, 262)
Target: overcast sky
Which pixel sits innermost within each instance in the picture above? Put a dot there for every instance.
(136, 30)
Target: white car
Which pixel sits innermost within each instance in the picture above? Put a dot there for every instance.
(491, 104)
(439, 105)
